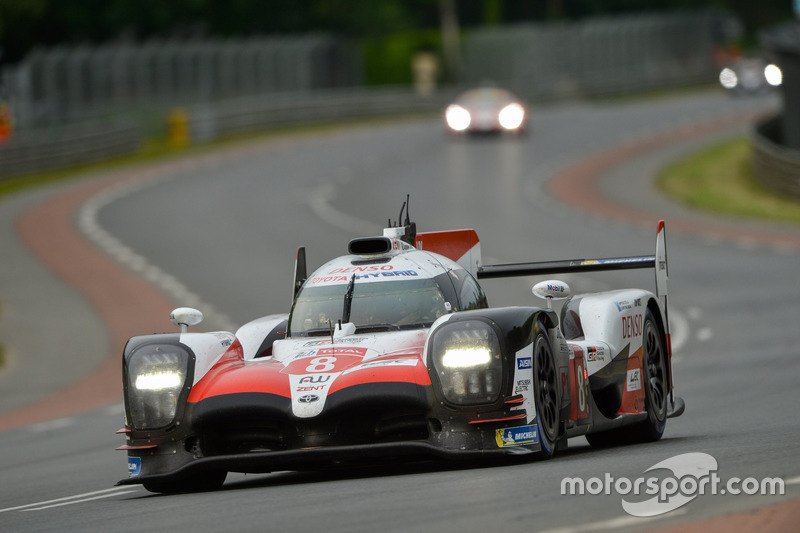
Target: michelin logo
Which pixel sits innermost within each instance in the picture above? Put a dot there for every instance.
(517, 436)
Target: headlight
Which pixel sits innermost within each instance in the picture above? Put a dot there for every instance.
(466, 358)
(728, 78)
(773, 75)
(511, 116)
(458, 118)
(155, 378)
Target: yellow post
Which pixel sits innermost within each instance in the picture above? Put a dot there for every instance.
(178, 128)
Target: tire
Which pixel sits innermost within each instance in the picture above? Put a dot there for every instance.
(200, 482)
(546, 394)
(654, 364)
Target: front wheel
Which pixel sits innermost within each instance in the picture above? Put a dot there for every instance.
(546, 394)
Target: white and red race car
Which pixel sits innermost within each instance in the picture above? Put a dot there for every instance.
(392, 353)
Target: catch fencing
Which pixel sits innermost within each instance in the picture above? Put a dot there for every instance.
(596, 57)
(121, 91)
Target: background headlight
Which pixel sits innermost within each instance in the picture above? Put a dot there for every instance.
(511, 116)
(728, 78)
(155, 378)
(467, 359)
(458, 118)
(773, 75)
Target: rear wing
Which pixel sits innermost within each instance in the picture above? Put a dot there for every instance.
(658, 262)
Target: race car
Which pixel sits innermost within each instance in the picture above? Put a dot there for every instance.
(486, 110)
(750, 76)
(392, 353)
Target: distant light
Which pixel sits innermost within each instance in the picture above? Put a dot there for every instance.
(458, 118)
(773, 75)
(511, 116)
(728, 78)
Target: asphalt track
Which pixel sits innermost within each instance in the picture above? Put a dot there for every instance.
(218, 230)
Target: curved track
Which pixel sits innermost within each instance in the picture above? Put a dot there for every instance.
(219, 231)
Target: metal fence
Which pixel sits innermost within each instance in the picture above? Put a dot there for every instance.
(597, 56)
(249, 84)
(775, 164)
(69, 84)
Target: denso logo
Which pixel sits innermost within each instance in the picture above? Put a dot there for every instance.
(631, 326)
(524, 362)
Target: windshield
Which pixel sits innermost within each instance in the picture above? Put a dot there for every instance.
(398, 304)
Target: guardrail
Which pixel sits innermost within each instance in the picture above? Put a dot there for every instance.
(60, 147)
(775, 165)
(67, 146)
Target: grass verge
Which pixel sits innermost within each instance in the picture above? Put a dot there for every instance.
(720, 179)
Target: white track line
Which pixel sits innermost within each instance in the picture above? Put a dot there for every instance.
(68, 500)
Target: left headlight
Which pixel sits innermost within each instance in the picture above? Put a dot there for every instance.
(467, 359)
(457, 118)
(156, 375)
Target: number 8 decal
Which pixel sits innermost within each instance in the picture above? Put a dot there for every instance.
(321, 364)
(581, 391)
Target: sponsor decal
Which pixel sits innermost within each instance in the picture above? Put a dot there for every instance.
(631, 326)
(383, 363)
(357, 269)
(517, 436)
(316, 379)
(634, 380)
(308, 398)
(626, 304)
(349, 340)
(524, 362)
(134, 466)
(522, 385)
(344, 350)
(337, 278)
(595, 353)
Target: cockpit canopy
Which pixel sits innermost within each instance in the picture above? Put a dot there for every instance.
(406, 291)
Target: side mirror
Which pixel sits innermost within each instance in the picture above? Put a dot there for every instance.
(551, 289)
(185, 317)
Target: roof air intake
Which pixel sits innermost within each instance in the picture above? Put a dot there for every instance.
(370, 246)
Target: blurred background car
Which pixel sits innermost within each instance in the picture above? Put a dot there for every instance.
(486, 110)
(750, 76)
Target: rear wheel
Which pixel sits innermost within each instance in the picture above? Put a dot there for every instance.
(200, 482)
(545, 376)
(654, 368)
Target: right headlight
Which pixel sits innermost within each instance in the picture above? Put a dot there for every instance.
(467, 358)
(155, 377)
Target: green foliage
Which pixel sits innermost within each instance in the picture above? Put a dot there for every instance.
(387, 58)
(721, 179)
